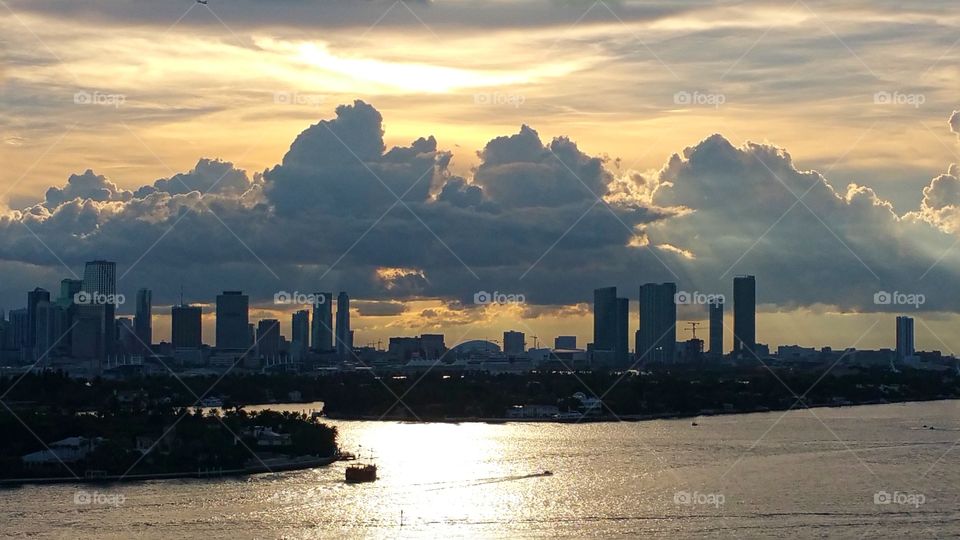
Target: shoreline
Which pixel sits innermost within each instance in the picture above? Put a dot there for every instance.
(265, 466)
(618, 418)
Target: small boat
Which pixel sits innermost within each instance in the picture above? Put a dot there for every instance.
(356, 474)
(694, 424)
(547, 473)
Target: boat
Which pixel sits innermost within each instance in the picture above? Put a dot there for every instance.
(694, 424)
(359, 473)
(547, 473)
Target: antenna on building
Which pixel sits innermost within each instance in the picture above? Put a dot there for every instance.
(693, 328)
(181, 293)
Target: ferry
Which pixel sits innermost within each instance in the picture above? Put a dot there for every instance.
(356, 474)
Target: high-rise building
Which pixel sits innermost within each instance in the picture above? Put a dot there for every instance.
(905, 343)
(68, 290)
(621, 350)
(322, 330)
(744, 315)
(100, 282)
(233, 320)
(19, 323)
(268, 338)
(716, 328)
(604, 320)
(565, 342)
(657, 336)
(49, 329)
(514, 342)
(300, 330)
(187, 329)
(89, 335)
(142, 322)
(34, 298)
(432, 346)
(127, 336)
(344, 339)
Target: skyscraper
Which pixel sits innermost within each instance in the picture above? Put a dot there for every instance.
(716, 328)
(34, 298)
(187, 330)
(621, 348)
(657, 336)
(233, 320)
(100, 280)
(300, 331)
(322, 330)
(744, 315)
(268, 338)
(142, 322)
(604, 322)
(344, 339)
(905, 344)
(68, 289)
(514, 342)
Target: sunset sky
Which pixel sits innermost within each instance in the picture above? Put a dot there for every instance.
(415, 153)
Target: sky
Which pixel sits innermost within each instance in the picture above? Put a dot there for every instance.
(418, 153)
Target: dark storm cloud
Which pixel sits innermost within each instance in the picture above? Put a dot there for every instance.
(527, 222)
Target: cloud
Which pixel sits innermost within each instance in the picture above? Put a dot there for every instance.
(89, 186)
(528, 221)
(955, 122)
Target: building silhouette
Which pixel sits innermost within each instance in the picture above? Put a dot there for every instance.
(514, 342)
(100, 282)
(716, 328)
(344, 335)
(565, 342)
(34, 298)
(268, 338)
(611, 321)
(233, 320)
(300, 330)
(905, 343)
(187, 329)
(744, 314)
(322, 330)
(142, 321)
(657, 336)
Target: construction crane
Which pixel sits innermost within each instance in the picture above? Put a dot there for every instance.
(693, 328)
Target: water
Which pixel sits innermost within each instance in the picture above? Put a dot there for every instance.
(769, 475)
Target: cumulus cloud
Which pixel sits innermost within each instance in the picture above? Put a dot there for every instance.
(955, 122)
(528, 221)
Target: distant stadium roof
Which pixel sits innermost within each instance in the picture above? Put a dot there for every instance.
(475, 346)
